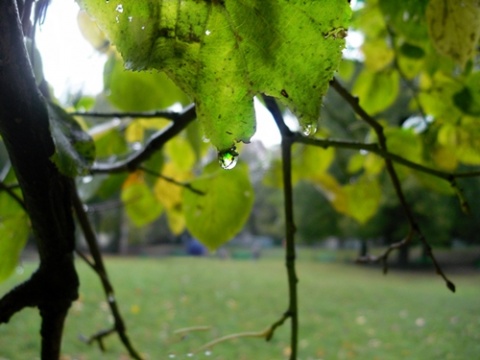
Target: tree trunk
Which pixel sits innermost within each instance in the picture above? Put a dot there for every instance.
(24, 127)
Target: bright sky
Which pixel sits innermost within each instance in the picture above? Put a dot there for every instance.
(70, 64)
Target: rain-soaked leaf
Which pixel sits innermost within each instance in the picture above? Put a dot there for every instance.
(222, 53)
(220, 213)
(74, 148)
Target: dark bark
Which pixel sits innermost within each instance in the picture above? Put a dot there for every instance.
(24, 128)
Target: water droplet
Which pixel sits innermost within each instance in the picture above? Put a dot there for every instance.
(143, 27)
(171, 356)
(189, 355)
(207, 32)
(228, 158)
(136, 146)
(309, 129)
(87, 179)
(208, 353)
(130, 18)
(119, 8)
(111, 298)
(19, 270)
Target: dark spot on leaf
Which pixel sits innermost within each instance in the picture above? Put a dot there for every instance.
(284, 93)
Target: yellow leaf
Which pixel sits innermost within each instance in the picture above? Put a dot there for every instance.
(176, 221)
(168, 193)
(454, 27)
(363, 199)
(333, 191)
(134, 132)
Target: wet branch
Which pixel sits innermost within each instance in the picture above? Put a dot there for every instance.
(156, 142)
(13, 195)
(172, 181)
(382, 143)
(170, 115)
(288, 139)
(99, 267)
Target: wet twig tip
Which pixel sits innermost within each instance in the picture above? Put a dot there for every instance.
(451, 286)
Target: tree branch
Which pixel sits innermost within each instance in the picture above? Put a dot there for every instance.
(172, 180)
(156, 142)
(382, 142)
(99, 267)
(170, 115)
(290, 256)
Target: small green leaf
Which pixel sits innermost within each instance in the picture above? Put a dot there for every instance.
(139, 91)
(468, 98)
(74, 149)
(14, 232)
(367, 88)
(454, 28)
(219, 214)
(140, 203)
(412, 51)
(363, 198)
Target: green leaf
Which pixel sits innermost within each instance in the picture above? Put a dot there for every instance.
(311, 161)
(406, 18)
(463, 140)
(222, 53)
(454, 28)
(14, 232)
(367, 88)
(140, 203)
(219, 214)
(139, 91)
(363, 197)
(468, 99)
(74, 149)
(412, 51)
(181, 153)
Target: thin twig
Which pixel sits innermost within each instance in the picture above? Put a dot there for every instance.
(9, 191)
(101, 270)
(155, 143)
(382, 142)
(290, 256)
(172, 180)
(252, 334)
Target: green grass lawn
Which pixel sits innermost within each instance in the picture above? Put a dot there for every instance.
(347, 312)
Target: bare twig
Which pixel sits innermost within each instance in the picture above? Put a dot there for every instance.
(288, 139)
(13, 195)
(172, 180)
(251, 334)
(99, 267)
(382, 142)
